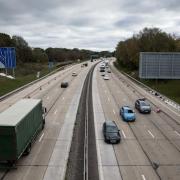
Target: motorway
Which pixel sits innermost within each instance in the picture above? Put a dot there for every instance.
(49, 154)
(150, 146)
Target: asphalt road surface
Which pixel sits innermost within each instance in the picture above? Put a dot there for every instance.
(150, 146)
(49, 154)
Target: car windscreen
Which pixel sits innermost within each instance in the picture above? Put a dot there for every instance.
(129, 111)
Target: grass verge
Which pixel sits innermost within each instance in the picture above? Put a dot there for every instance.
(25, 73)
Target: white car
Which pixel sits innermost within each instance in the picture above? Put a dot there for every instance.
(103, 74)
(74, 74)
(109, 71)
(106, 77)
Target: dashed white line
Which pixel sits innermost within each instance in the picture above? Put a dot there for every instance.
(48, 97)
(105, 91)
(108, 99)
(124, 99)
(143, 177)
(150, 133)
(114, 111)
(55, 112)
(62, 98)
(41, 137)
(123, 134)
(177, 133)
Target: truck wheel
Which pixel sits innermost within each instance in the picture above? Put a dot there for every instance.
(43, 124)
(28, 150)
(11, 162)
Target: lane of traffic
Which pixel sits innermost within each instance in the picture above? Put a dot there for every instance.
(144, 130)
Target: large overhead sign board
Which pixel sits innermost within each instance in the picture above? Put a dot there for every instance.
(159, 65)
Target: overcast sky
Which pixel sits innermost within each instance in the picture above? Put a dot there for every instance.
(93, 24)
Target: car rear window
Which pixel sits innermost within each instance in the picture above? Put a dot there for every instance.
(130, 111)
(112, 129)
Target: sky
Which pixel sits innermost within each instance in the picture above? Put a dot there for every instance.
(94, 24)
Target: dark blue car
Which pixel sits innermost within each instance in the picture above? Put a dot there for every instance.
(127, 114)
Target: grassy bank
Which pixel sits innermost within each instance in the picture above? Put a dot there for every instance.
(25, 73)
(170, 88)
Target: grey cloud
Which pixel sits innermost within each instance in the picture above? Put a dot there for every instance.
(85, 24)
(129, 21)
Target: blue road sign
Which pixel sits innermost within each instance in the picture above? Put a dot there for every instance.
(7, 57)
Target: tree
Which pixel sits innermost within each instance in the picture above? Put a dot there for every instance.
(23, 51)
(147, 40)
(5, 40)
(39, 55)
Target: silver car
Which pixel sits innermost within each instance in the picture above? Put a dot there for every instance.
(142, 106)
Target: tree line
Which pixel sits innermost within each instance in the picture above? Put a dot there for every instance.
(27, 54)
(148, 40)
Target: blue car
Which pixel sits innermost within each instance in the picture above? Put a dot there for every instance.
(127, 114)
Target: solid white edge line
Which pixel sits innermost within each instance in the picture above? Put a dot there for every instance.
(143, 176)
(41, 137)
(150, 133)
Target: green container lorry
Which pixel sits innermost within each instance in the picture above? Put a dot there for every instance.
(19, 125)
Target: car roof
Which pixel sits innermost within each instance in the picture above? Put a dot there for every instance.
(110, 123)
(126, 107)
(142, 99)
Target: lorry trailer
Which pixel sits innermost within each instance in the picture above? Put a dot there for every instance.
(19, 126)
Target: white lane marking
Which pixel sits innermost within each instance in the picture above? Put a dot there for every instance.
(105, 91)
(55, 112)
(123, 134)
(177, 133)
(48, 97)
(41, 137)
(108, 99)
(62, 98)
(114, 111)
(150, 133)
(143, 177)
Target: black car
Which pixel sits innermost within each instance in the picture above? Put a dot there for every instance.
(142, 106)
(111, 132)
(64, 84)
